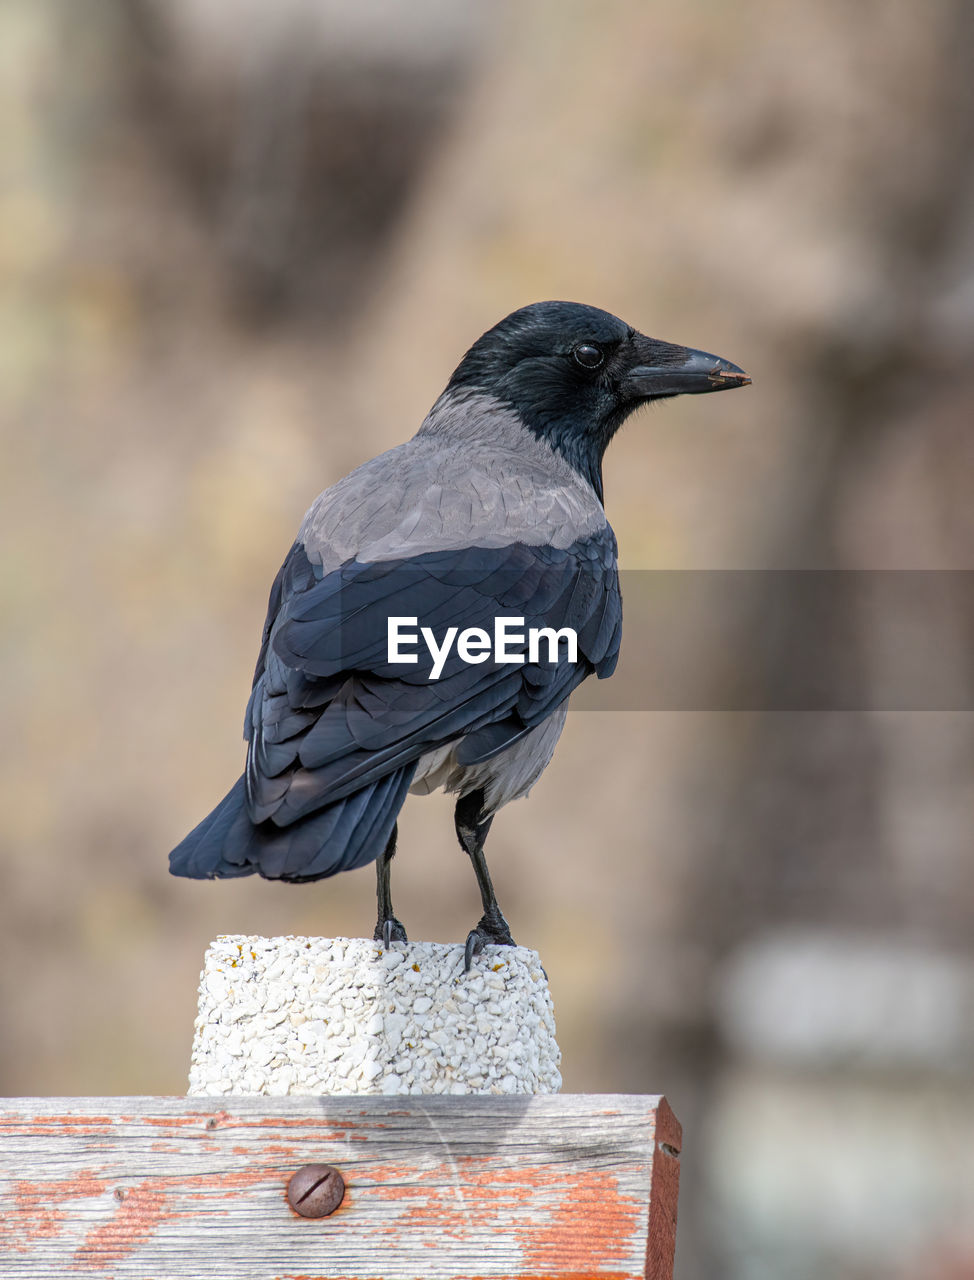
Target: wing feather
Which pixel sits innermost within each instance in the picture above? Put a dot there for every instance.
(330, 715)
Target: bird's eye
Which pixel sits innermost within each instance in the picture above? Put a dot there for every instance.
(588, 355)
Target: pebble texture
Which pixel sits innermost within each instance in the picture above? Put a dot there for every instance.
(342, 1016)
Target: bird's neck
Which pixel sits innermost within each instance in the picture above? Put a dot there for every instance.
(583, 456)
(477, 418)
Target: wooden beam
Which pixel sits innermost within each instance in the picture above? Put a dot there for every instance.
(438, 1188)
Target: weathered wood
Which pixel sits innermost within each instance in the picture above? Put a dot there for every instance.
(438, 1187)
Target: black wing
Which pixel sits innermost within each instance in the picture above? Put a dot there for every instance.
(329, 714)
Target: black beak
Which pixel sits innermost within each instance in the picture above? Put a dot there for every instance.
(667, 370)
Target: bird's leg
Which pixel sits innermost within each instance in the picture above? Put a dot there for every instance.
(388, 929)
(472, 828)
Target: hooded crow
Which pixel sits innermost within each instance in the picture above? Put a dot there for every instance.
(401, 650)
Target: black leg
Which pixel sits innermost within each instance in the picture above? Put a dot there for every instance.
(388, 929)
(472, 827)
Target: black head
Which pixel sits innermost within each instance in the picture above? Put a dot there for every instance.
(574, 373)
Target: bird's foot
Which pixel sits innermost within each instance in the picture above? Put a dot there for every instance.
(492, 927)
(389, 931)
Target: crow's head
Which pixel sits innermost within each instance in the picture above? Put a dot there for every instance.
(574, 373)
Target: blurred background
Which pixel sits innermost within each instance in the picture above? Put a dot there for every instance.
(242, 246)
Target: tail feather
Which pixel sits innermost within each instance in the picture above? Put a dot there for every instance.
(339, 837)
(201, 854)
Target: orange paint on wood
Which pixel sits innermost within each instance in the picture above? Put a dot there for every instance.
(139, 1213)
(39, 1211)
(193, 1120)
(205, 1119)
(285, 1150)
(142, 1208)
(592, 1227)
(321, 1124)
(588, 1224)
(67, 1125)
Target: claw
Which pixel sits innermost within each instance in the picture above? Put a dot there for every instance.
(389, 931)
(474, 946)
(492, 927)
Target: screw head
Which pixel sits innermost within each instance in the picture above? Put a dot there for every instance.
(315, 1190)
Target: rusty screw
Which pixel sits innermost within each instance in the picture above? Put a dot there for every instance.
(315, 1190)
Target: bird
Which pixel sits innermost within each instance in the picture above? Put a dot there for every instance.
(490, 515)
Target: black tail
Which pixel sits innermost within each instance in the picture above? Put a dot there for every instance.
(347, 834)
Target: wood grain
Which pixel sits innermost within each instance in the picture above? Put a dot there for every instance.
(459, 1187)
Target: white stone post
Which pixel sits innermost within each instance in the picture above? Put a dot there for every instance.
(342, 1016)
